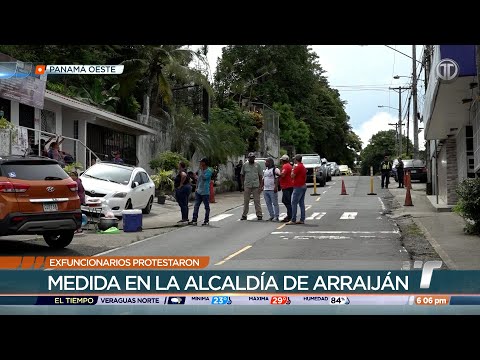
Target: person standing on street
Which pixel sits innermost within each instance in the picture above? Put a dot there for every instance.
(299, 176)
(270, 188)
(252, 184)
(286, 184)
(81, 195)
(386, 169)
(202, 195)
(238, 175)
(400, 173)
(183, 188)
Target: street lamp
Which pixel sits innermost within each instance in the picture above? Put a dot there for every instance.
(385, 106)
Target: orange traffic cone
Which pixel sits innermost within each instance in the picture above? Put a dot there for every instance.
(408, 198)
(212, 192)
(344, 191)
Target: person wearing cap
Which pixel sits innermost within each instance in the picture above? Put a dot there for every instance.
(270, 188)
(202, 194)
(286, 184)
(252, 184)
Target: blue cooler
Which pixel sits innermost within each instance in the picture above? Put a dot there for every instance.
(132, 220)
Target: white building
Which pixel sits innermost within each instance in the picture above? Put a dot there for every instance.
(85, 128)
(452, 120)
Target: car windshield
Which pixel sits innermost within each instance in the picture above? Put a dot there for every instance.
(111, 173)
(311, 160)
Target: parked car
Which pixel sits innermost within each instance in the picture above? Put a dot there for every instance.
(118, 188)
(417, 168)
(313, 162)
(261, 162)
(327, 169)
(334, 169)
(344, 169)
(38, 197)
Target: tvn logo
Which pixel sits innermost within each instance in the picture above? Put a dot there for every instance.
(427, 270)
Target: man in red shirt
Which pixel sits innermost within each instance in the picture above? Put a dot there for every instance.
(299, 176)
(286, 184)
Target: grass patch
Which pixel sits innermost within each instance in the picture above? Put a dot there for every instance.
(413, 230)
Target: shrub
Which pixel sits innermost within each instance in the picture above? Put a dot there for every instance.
(468, 205)
(167, 160)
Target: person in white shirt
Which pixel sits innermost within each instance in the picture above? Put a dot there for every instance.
(270, 188)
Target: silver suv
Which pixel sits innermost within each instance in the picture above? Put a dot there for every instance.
(313, 162)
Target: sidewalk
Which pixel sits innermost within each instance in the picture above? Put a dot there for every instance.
(163, 218)
(442, 228)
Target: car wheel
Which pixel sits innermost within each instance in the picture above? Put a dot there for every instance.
(59, 240)
(128, 205)
(322, 182)
(148, 208)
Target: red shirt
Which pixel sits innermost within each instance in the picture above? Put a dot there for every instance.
(286, 181)
(300, 175)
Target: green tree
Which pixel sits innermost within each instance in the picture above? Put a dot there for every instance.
(382, 143)
(288, 74)
(153, 69)
(292, 131)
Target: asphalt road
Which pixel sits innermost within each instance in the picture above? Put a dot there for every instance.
(348, 232)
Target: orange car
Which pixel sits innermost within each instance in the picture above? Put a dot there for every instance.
(38, 197)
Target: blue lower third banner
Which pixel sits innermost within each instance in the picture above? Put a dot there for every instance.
(185, 282)
(225, 300)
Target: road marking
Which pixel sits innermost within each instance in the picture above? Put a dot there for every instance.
(281, 226)
(324, 191)
(312, 217)
(368, 236)
(348, 215)
(381, 203)
(318, 199)
(251, 216)
(321, 215)
(234, 254)
(330, 237)
(220, 217)
(336, 232)
(308, 207)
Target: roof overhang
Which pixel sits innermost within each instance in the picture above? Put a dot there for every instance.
(100, 113)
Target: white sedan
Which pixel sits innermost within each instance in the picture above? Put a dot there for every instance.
(117, 187)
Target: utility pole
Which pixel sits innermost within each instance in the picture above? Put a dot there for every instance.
(414, 96)
(396, 137)
(400, 89)
(408, 126)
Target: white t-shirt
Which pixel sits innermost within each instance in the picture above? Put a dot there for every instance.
(268, 180)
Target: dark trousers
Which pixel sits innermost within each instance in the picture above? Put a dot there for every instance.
(182, 194)
(385, 179)
(287, 201)
(198, 200)
(239, 182)
(400, 176)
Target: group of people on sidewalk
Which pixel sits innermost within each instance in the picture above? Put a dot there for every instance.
(184, 182)
(291, 181)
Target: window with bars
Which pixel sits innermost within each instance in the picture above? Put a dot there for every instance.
(48, 121)
(103, 141)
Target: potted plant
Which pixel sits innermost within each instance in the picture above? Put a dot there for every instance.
(163, 182)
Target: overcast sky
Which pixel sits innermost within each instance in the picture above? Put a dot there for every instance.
(363, 76)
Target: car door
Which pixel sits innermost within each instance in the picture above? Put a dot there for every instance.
(149, 186)
(139, 195)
